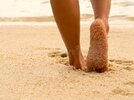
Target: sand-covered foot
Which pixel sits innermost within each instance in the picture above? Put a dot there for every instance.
(97, 59)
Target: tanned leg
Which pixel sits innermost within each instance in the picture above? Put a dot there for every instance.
(67, 16)
(97, 58)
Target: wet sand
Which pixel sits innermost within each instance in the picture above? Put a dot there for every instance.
(84, 17)
(34, 65)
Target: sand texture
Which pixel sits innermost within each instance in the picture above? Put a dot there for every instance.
(34, 65)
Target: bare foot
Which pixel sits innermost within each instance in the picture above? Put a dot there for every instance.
(76, 59)
(97, 58)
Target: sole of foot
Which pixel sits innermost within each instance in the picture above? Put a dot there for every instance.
(97, 59)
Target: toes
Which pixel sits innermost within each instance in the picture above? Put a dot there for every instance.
(101, 69)
(79, 65)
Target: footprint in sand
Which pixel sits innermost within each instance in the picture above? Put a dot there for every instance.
(44, 48)
(126, 65)
(131, 83)
(57, 54)
(123, 62)
(119, 91)
(129, 68)
(62, 58)
(59, 57)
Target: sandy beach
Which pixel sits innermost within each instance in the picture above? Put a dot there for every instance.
(34, 65)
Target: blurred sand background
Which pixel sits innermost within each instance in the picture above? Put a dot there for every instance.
(34, 62)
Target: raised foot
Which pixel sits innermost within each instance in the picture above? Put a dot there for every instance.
(97, 59)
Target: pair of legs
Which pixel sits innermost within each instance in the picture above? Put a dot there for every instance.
(67, 16)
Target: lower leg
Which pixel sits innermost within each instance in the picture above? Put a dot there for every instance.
(67, 16)
(101, 10)
(97, 58)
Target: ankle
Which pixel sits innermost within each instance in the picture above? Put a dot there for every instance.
(74, 50)
(75, 53)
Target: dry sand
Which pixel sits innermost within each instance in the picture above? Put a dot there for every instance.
(34, 66)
